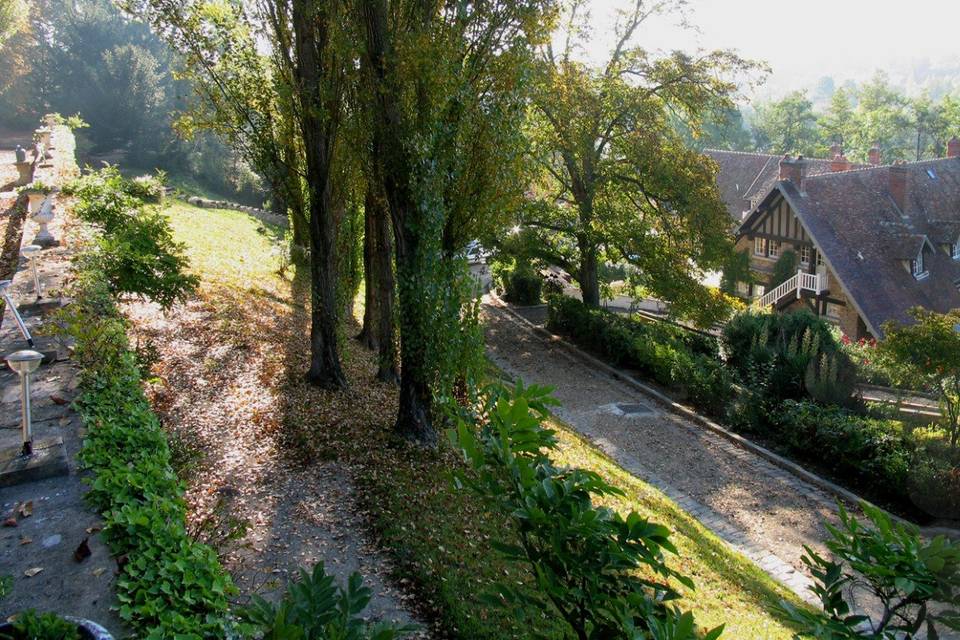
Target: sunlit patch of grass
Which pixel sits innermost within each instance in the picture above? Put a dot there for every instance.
(438, 536)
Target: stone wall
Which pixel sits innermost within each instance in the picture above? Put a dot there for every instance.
(260, 214)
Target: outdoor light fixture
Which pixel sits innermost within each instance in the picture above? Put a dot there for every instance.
(32, 253)
(5, 294)
(25, 363)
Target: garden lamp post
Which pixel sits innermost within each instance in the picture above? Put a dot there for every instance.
(32, 253)
(25, 362)
(5, 294)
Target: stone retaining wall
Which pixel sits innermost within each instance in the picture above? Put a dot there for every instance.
(260, 214)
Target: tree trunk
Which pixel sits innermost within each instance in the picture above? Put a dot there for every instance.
(320, 95)
(383, 254)
(368, 335)
(392, 156)
(588, 277)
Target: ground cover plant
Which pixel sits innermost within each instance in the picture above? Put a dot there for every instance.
(438, 537)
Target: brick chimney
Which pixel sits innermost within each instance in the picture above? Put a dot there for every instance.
(839, 163)
(899, 184)
(792, 169)
(953, 147)
(874, 155)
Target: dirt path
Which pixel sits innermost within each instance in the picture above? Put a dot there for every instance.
(220, 403)
(762, 510)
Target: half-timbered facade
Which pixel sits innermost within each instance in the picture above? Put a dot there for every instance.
(868, 243)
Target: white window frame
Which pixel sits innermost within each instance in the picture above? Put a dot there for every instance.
(773, 248)
(955, 250)
(917, 266)
(805, 252)
(760, 246)
(819, 259)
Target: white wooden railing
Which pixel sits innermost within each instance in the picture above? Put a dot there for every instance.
(814, 282)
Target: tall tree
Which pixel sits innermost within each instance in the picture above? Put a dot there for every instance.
(882, 118)
(787, 125)
(836, 123)
(444, 83)
(615, 180)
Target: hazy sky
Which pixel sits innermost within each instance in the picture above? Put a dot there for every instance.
(806, 39)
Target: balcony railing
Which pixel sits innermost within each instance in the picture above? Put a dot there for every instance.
(795, 285)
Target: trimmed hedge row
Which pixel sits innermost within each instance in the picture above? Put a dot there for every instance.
(869, 453)
(672, 357)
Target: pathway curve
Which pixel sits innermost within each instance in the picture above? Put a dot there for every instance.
(761, 510)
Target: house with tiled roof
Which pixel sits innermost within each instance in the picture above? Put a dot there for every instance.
(870, 242)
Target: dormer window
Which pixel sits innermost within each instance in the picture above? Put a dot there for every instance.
(917, 267)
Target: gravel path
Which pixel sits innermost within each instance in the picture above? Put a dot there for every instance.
(762, 510)
(222, 411)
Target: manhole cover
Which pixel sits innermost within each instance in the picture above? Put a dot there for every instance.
(634, 409)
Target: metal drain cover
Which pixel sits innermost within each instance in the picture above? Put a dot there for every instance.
(634, 409)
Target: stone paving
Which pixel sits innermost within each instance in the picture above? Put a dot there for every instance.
(759, 509)
(45, 521)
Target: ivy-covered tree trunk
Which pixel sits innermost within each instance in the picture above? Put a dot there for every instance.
(320, 92)
(392, 155)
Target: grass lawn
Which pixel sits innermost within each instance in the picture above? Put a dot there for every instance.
(438, 536)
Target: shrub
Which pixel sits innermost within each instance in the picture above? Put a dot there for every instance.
(896, 567)
(523, 285)
(873, 452)
(141, 258)
(783, 269)
(790, 355)
(31, 625)
(603, 574)
(935, 487)
(146, 188)
(669, 355)
(314, 608)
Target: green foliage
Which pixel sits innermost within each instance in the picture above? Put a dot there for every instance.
(169, 585)
(903, 572)
(673, 357)
(783, 269)
(789, 356)
(146, 187)
(31, 625)
(523, 285)
(136, 253)
(315, 608)
(584, 558)
(873, 453)
(787, 125)
(928, 353)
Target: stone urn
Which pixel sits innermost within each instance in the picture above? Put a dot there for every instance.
(24, 173)
(44, 137)
(88, 629)
(34, 200)
(43, 217)
(50, 120)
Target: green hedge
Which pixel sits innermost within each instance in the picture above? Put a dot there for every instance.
(170, 586)
(675, 358)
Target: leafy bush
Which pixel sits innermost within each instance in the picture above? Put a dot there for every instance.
(891, 562)
(873, 452)
(603, 574)
(314, 608)
(935, 486)
(790, 355)
(141, 258)
(671, 356)
(31, 625)
(146, 188)
(169, 585)
(783, 269)
(522, 285)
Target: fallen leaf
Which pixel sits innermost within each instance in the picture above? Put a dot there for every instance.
(95, 528)
(25, 540)
(82, 552)
(25, 509)
(32, 572)
(99, 570)
(58, 400)
(10, 522)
